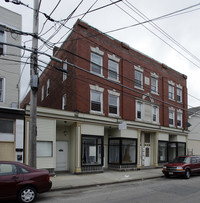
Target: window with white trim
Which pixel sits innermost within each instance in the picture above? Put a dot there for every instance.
(42, 93)
(113, 101)
(139, 110)
(64, 73)
(48, 86)
(179, 119)
(96, 101)
(154, 85)
(7, 126)
(44, 149)
(64, 102)
(171, 92)
(96, 64)
(138, 79)
(155, 114)
(113, 70)
(2, 39)
(2, 89)
(179, 95)
(171, 117)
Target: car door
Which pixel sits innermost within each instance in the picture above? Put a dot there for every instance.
(9, 180)
(194, 165)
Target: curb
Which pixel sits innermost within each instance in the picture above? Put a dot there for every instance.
(102, 184)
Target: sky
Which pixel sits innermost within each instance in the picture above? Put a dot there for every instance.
(174, 40)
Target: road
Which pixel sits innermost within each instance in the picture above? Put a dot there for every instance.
(156, 190)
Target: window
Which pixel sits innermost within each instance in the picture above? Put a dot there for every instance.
(176, 149)
(92, 150)
(122, 151)
(7, 126)
(1, 40)
(8, 169)
(113, 104)
(138, 79)
(113, 70)
(96, 101)
(48, 86)
(154, 85)
(162, 151)
(44, 149)
(138, 110)
(42, 93)
(179, 119)
(96, 64)
(171, 92)
(179, 95)
(155, 114)
(64, 102)
(64, 73)
(2, 89)
(171, 118)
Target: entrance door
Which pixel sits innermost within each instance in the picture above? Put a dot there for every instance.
(147, 156)
(61, 156)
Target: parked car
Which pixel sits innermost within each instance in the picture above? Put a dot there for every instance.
(19, 181)
(182, 165)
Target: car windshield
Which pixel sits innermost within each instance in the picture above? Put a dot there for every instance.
(182, 160)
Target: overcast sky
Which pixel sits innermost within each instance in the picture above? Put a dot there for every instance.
(178, 30)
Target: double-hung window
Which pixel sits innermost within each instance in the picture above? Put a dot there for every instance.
(138, 77)
(171, 92)
(155, 114)
(96, 101)
(179, 95)
(65, 71)
(171, 117)
(139, 110)
(42, 93)
(179, 119)
(2, 89)
(1, 40)
(154, 84)
(96, 64)
(113, 70)
(48, 86)
(113, 101)
(64, 102)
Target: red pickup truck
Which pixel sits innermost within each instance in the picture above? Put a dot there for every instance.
(182, 165)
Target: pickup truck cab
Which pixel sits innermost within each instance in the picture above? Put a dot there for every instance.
(182, 165)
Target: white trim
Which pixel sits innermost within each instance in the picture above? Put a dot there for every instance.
(179, 86)
(170, 82)
(113, 92)
(114, 58)
(97, 88)
(97, 51)
(138, 68)
(154, 75)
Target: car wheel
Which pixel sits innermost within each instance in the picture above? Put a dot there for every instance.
(187, 174)
(27, 194)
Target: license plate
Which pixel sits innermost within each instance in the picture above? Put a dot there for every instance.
(170, 173)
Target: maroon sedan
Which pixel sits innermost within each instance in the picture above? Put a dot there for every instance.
(19, 181)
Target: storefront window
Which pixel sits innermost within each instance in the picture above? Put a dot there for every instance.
(172, 151)
(162, 151)
(114, 149)
(128, 151)
(122, 151)
(92, 150)
(181, 149)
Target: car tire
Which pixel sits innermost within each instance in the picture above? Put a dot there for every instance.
(187, 173)
(27, 194)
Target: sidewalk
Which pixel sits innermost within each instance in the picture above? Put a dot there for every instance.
(70, 181)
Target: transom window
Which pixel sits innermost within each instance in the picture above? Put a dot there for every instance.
(113, 70)
(138, 79)
(96, 64)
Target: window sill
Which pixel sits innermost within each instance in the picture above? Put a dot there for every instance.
(171, 99)
(139, 88)
(171, 126)
(97, 113)
(114, 115)
(155, 93)
(100, 75)
(114, 80)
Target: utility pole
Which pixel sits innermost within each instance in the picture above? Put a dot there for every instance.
(34, 88)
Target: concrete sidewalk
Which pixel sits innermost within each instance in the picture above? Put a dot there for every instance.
(70, 181)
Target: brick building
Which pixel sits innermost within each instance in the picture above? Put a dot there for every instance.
(112, 106)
